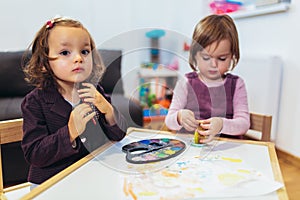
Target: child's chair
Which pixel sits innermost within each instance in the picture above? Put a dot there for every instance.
(11, 131)
(261, 123)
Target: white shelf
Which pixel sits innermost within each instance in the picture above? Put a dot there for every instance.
(148, 73)
(261, 10)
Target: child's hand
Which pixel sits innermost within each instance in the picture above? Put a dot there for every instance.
(90, 95)
(186, 118)
(211, 127)
(78, 120)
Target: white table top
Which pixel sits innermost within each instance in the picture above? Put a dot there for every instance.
(101, 176)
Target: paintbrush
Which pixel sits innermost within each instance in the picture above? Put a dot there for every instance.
(80, 86)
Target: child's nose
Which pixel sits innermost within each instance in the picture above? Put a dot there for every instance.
(78, 58)
(213, 62)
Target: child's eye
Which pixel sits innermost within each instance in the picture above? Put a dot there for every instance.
(223, 58)
(64, 53)
(85, 52)
(205, 57)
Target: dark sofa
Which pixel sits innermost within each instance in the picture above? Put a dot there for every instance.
(13, 88)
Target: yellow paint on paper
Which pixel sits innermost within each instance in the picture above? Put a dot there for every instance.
(237, 160)
(125, 189)
(169, 174)
(245, 171)
(147, 193)
(130, 191)
(229, 178)
(198, 189)
(184, 168)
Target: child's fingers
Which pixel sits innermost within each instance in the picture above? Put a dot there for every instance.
(82, 90)
(188, 127)
(89, 100)
(79, 108)
(88, 90)
(85, 93)
(87, 113)
(79, 118)
(82, 110)
(89, 116)
(85, 87)
(205, 126)
(89, 85)
(207, 139)
(205, 121)
(190, 124)
(203, 132)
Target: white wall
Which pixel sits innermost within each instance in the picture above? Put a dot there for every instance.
(20, 20)
(278, 35)
(263, 79)
(117, 24)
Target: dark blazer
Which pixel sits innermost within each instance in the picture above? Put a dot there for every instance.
(46, 142)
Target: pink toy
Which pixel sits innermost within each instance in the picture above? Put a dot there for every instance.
(174, 65)
(223, 7)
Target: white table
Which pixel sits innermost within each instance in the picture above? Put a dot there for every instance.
(100, 175)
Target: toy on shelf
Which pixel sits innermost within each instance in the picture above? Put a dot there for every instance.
(173, 66)
(151, 100)
(154, 92)
(154, 36)
(155, 110)
(155, 99)
(186, 46)
(225, 6)
(144, 91)
(151, 65)
(156, 81)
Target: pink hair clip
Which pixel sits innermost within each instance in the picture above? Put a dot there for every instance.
(49, 24)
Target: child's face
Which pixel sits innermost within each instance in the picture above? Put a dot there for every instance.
(71, 49)
(214, 60)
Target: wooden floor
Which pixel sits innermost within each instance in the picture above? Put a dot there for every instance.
(290, 169)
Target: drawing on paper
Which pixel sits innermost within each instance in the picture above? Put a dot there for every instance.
(192, 176)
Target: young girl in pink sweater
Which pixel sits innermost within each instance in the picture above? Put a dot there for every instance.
(210, 99)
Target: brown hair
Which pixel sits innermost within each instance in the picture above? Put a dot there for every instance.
(214, 28)
(34, 69)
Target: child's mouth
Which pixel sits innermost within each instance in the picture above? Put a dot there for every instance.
(78, 69)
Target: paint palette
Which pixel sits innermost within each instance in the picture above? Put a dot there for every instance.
(152, 150)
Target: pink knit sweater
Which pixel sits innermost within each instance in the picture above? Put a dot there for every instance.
(236, 126)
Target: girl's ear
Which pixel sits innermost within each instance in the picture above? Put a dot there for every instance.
(195, 64)
(231, 65)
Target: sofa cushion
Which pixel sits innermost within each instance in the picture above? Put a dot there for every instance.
(112, 80)
(10, 108)
(12, 81)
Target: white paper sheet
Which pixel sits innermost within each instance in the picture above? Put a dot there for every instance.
(195, 176)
